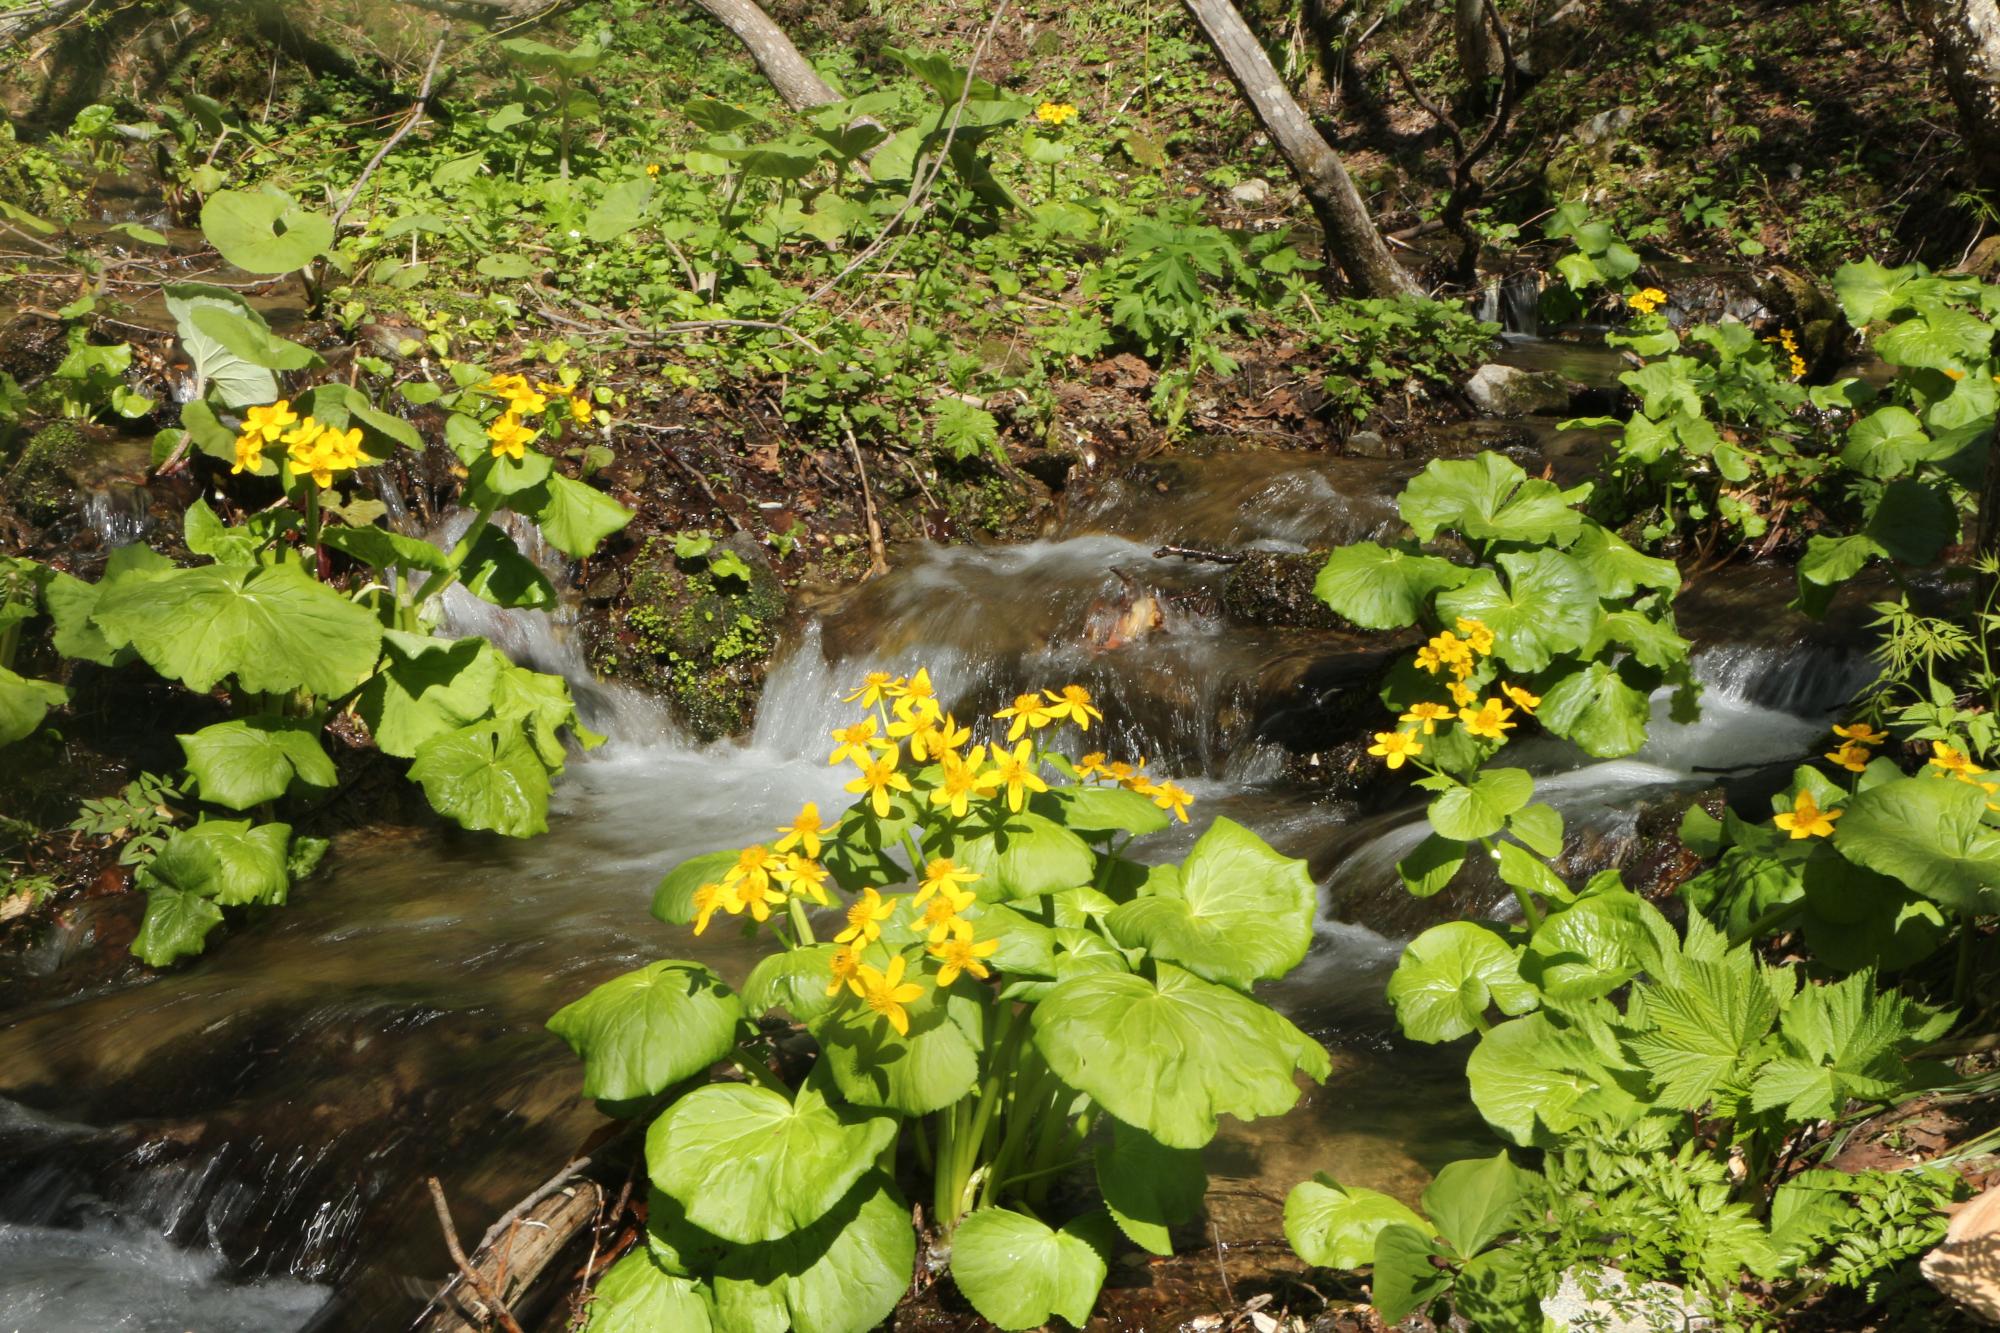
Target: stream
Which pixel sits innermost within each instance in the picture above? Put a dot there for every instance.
(241, 1143)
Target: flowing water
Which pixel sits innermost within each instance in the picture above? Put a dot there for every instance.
(240, 1144)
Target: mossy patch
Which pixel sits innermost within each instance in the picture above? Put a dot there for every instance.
(40, 481)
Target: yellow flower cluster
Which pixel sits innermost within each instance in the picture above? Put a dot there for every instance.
(1853, 752)
(511, 434)
(1787, 340)
(1645, 302)
(1951, 762)
(1055, 113)
(1457, 654)
(311, 448)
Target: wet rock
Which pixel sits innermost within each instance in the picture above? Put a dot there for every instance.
(40, 483)
(697, 629)
(1275, 588)
(1252, 192)
(1508, 391)
(1367, 444)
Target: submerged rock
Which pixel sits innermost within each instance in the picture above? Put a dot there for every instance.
(1508, 391)
(1275, 588)
(40, 483)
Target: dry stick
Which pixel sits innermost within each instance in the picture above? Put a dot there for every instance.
(520, 1210)
(1197, 553)
(878, 556)
(409, 123)
(500, 1313)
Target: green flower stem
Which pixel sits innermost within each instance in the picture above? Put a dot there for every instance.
(955, 1186)
(802, 931)
(1529, 912)
(1769, 922)
(920, 1138)
(1961, 987)
(1025, 1092)
(916, 857)
(460, 552)
(312, 529)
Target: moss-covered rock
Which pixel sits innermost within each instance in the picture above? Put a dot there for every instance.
(1275, 589)
(40, 482)
(700, 629)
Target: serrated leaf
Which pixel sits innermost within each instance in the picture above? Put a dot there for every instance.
(1489, 498)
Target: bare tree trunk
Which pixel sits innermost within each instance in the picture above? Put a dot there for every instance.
(1351, 239)
(1965, 39)
(1479, 57)
(795, 79)
(35, 15)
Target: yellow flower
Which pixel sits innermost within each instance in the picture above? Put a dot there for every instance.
(803, 831)
(341, 448)
(929, 735)
(1489, 719)
(1170, 797)
(1862, 733)
(942, 875)
(1395, 747)
(1849, 756)
(960, 954)
(1948, 760)
(1090, 765)
(878, 686)
(523, 399)
(315, 451)
(652, 168)
(1073, 702)
(865, 916)
(878, 778)
(962, 781)
(706, 899)
(1806, 819)
(1460, 694)
(1055, 113)
(856, 742)
(510, 438)
(1451, 650)
(844, 965)
(580, 410)
(268, 423)
(1126, 775)
(1429, 715)
(1476, 634)
(249, 453)
(1016, 772)
(1647, 301)
(916, 687)
(1798, 365)
(942, 913)
(886, 993)
(756, 899)
(1523, 700)
(1028, 710)
(753, 867)
(802, 877)
(1428, 659)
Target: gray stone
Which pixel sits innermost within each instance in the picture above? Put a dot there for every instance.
(1606, 126)
(1251, 192)
(1366, 444)
(1508, 391)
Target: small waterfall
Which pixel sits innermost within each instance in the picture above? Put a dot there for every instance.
(119, 514)
(1514, 303)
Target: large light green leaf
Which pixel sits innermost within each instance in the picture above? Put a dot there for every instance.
(618, 209)
(1594, 708)
(1103, 810)
(72, 603)
(1021, 855)
(927, 1070)
(264, 233)
(638, 1296)
(673, 900)
(1381, 588)
(1237, 913)
(1928, 834)
(1869, 292)
(1170, 1056)
(486, 776)
(1020, 1274)
(274, 629)
(574, 517)
(245, 335)
(24, 702)
(1147, 1186)
(843, 1274)
(256, 759)
(429, 686)
(1479, 809)
(792, 981)
(234, 378)
(643, 1032)
(1593, 946)
(545, 59)
(1450, 975)
(1476, 1201)
(1619, 569)
(1331, 1226)
(230, 860)
(1405, 1279)
(495, 571)
(177, 923)
(750, 1166)
(1489, 498)
(1886, 443)
(1548, 606)
(1526, 1073)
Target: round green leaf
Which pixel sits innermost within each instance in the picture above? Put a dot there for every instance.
(1020, 1274)
(24, 702)
(256, 759)
(1022, 855)
(646, 1031)
(843, 1274)
(1548, 606)
(264, 233)
(1597, 710)
(750, 1166)
(1170, 1056)
(793, 981)
(486, 776)
(1477, 810)
(1334, 1227)
(1489, 498)
(1450, 975)
(1147, 1186)
(1381, 588)
(574, 517)
(177, 924)
(927, 1070)
(430, 686)
(1929, 834)
(1237, 913)
(673, 900)
(1593, 946)
(638, 1296)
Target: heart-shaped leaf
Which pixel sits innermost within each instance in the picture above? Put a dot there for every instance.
(643, 1032)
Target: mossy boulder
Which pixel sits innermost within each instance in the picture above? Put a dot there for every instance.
(41, 481)
(699, 628)
(1275, 589)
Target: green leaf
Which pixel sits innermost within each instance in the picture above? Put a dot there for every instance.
(1480, 809)
(379, 548)
(1105, 810)
(932, 1067)
(641, 1033)
(1526, 1072)
(236, 379)
(793, 982)
(638, 1296)
(1147, 1186)
(1594, 708)
(1021, 855)
(843, 1274)
(1018, 1273)
(1845, 1040)
(1856, 918)
(1886, 443)
(506, 267)
(750, 1166)
(1431, 865)
(72, 603)
(1869, 292)
(428, 687)
(1539, 827)
(673, 900)
(1548, 606)
(1169, 1056)
(1619, 569)
(1830, 562)
(274, 629)
(1913, 521)
(251, 340)
(1381, 588)
(230, 860)
(252, 760)
(1489, 498)
(1334, 1227)
(618, 209)
(24, 702)
(1497, 1292)
(206, 534)
(177, 923)
(1955, 860)
(1450, 975)
(485, 776)
(1593, 946)
(264, 233)
(1237, 913)
(1405, 1280)
(574, 517)
(495, 571)
(1475, 1202)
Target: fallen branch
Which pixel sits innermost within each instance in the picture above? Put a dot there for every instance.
(878, 556)
(494, 1309)
(1196, 553)
(409, 123)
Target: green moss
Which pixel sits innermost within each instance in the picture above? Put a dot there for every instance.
(701, 639)
(39, 482)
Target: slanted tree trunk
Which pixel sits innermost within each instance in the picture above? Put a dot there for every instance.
(795, 79)
(1965, 40)
(1352, 242)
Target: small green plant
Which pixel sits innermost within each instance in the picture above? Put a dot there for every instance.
(140, 818)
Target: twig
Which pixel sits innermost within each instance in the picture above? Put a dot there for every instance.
(701, 482)
(409, 123)
(542, 1191)
(500, 1313)
(1221, 1264)
(1196, 553)
(878, 557)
